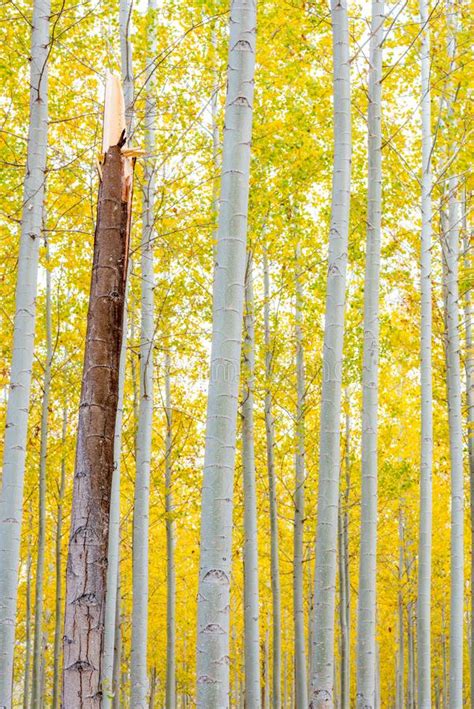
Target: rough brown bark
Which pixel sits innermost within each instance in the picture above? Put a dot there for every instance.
(87, 558)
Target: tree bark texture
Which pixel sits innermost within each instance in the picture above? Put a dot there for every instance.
(87, 557)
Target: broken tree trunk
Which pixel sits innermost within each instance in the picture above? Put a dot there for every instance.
(87, 558)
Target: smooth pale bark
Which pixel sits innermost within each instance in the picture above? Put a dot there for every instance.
(301, 686)
(451, 257)
(344, 579)
(251, 598)
(59, 570)
(113, 555)
(27, 668)
(126, 61)
(36, 698)
(117, 669)
(366, 610)
(14, 449)
(272, 494)
(228, 300)
(139, 670)
(469, 367)
(424, 549)
(170, 549)
(86, 572)
(322, 663)
(215, 153)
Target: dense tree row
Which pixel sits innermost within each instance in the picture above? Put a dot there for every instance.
(261, 495)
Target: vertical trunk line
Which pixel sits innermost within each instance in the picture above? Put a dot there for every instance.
(251, 588)
(16, 428)
(272, 493)
(222, 407)
(322, 661)
(301, 687)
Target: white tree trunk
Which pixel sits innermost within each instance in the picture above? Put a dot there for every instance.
(23, 343)
(366, 612)
(424, 549)
(322, 662)
(118, 699)
(251, 599)
(36, 698)
(125, 21)
(272, 494)
(451, 258)
(228, 298)
(344, 578)
(126, 61)
(139, 672)
(170, 549)
(469, 367)
(27, 670)
(58, 628)
(301, 686)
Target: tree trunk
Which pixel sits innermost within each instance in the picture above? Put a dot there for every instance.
(39, 590)
(344, 580)
(251, 597)
(266, 671)
(151, 704)
(14, 450)
(366, 612)
(322, 662)
(59, 571)
(170, 550)
(126, 62)
(117, 668)
(451, 257)
(113, 555)
(424, 551)
(301, 687)
(272, 494)
(27, 671)
(139, 670)
(216, 519)
(469, 367)
(86, 568)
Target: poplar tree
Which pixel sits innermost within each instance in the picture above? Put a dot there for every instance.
(322, 661)
(36, 698)
(366, 610)
(424, 550)
(109, 689)
(141, 521)
(251, 597)
(16, 427)
(301, 688)
(272, 492)
(228, 300)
